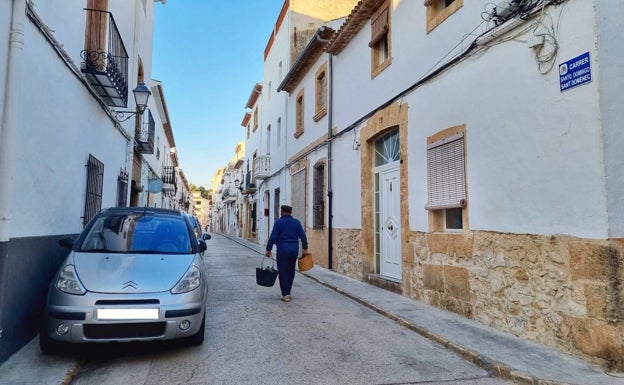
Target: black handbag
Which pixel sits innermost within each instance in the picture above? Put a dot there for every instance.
(266, 275)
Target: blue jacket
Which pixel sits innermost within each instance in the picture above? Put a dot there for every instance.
(286, 234)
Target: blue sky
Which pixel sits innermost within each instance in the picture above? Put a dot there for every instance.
(209, 54)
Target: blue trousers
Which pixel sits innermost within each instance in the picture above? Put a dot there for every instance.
(286, 262)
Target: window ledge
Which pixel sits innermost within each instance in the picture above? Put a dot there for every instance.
(379, 69)
(319, 115)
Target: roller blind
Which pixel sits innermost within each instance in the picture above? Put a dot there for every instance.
(446, 174)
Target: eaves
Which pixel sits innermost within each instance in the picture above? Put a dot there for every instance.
(255, 93)
(307, 58)
(356, 20)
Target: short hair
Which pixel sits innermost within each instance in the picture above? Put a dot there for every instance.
(286, 208)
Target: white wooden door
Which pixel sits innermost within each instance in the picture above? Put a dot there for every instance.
(390, 222)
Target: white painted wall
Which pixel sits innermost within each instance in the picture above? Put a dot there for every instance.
(60, 123)
(346, 176)
(534, 154)
(5, 29)
(610, 66)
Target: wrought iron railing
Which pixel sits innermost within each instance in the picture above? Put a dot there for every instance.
(95, 186)
(144, 134)
(262, 167)
(105, 59)
(250, 186)
(169, 179)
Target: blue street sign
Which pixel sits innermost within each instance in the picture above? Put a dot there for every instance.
(575, 72)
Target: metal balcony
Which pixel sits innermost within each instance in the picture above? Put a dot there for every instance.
(262, 167)
(144, 134)
(169, 179)
(105, 59)
(229, 194)
(249, 187)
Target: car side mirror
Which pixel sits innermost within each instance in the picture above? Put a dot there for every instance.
(202, 245)
(206, 236)
(66, 242)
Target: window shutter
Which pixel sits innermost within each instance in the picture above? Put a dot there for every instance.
(446, 173)
(379, 27)
(298, 196)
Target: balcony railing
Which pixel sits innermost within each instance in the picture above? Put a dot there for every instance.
(169, 179)
(144, 134)
(262, 167)
(105, 59)
(229, 194)
(249, 187)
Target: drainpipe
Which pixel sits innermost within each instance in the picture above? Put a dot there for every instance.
(330, 190)
(8, 123)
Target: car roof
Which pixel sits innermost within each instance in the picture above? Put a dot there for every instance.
(151, 210)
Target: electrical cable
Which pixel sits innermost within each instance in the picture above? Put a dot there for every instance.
(526, 9)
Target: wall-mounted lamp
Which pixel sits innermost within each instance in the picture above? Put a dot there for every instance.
(141, 96)
(237, 184)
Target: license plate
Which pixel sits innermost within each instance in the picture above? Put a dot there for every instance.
(126, 314)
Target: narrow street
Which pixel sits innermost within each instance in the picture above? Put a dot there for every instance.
(321, 337)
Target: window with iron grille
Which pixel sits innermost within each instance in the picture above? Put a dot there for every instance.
(319, 197)
(95, 184)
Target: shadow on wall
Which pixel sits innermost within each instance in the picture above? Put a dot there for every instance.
(27, 265)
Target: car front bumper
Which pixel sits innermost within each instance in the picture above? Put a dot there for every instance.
(97, 317)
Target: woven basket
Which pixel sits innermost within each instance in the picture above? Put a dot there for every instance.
(305, 262)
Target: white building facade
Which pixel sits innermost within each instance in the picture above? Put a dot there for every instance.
(68, 69)
(472, 162)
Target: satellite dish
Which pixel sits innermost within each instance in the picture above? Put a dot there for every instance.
(155, 185)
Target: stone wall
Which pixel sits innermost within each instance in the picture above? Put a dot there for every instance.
(560, 291)
(347, 259)
(317, 243)
(557, 290)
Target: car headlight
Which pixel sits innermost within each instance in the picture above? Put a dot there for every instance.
(67, 281)
(190, 281)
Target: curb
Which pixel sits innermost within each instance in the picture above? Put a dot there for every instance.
(493, 367)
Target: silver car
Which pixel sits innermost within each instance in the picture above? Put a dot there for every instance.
(131, 275)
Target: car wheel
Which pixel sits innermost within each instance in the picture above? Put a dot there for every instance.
(198, 338)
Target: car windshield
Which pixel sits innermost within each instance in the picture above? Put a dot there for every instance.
(137, 233)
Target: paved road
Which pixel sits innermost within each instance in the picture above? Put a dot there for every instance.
(321, 337)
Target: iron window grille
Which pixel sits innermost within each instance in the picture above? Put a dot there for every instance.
(318, 197)
(95, 184)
